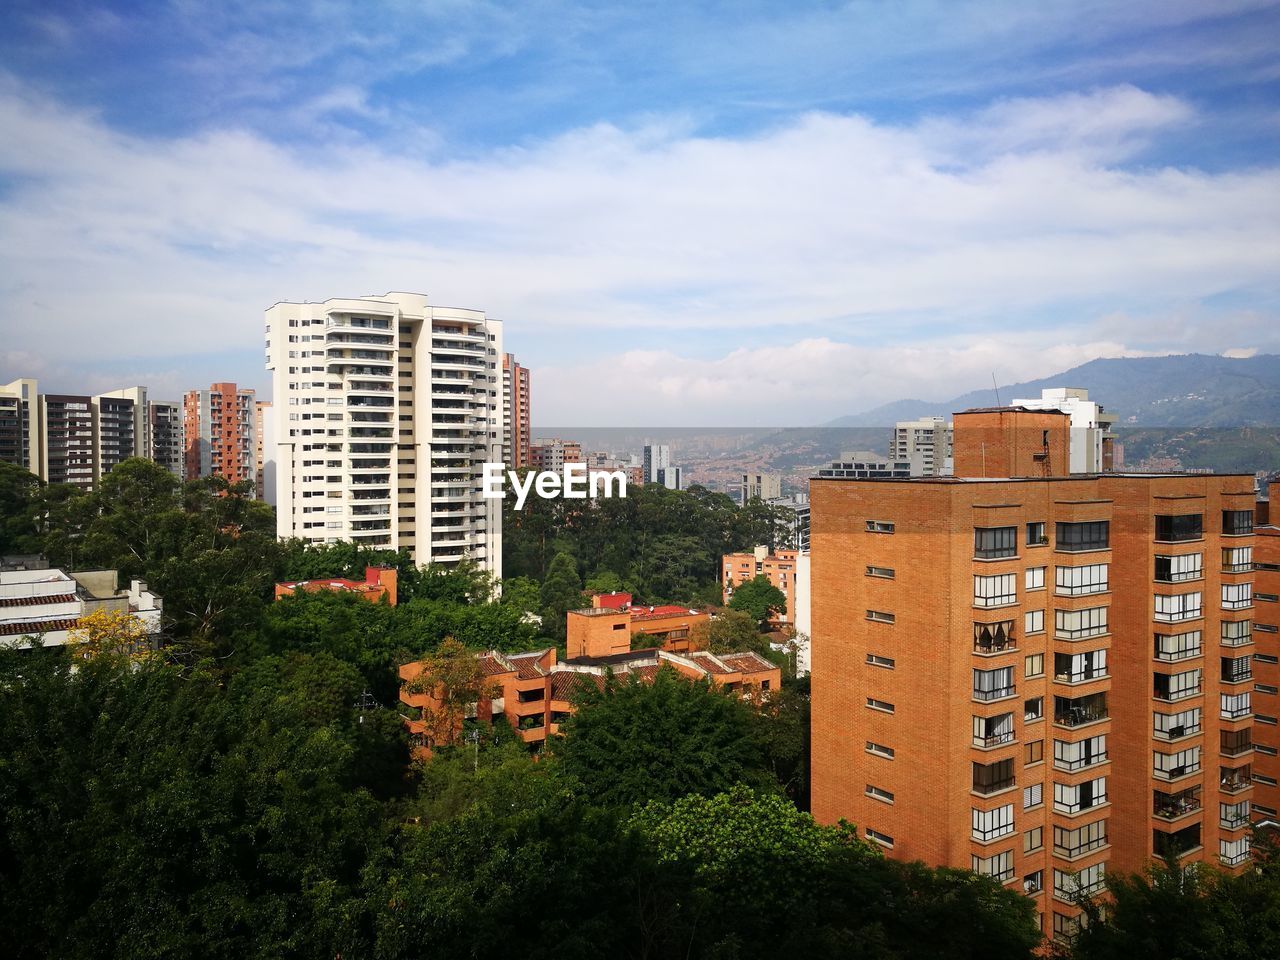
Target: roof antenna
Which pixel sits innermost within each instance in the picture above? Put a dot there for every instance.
(995, 387)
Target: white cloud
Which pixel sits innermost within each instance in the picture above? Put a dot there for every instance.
(909, 238)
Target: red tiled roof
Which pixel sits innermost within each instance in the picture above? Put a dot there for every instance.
(526, 664)
(36, 627)
(748, 662)
(36, 601)
(564, 683)
(669, 610)
(709, 663)
(491, 666)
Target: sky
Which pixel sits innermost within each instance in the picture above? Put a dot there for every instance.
(686, 214)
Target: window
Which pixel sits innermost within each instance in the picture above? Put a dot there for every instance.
(1237, 523)
(1079, 537)
(1236, 705)
(1171, 766)
(880, 750)
(1237, 669)
(1033, 752)
(1188, 566)
(1263, 627)
(1035, 578)
(1033, 840)
(882, 705)
(1066, 928)
(993, 637)
(992, 824)
(999, 867)
(885, 573)
(1175, 529)
(1036, 536)
(989, 778)
(1078, 581)
(1033, 709)
(1237, 633)
(881, 838)
(877, 661)
(993, 731)
(1237, 559)
(1178, 646)
(1078, 624)
(1033, 621)
(990, 543)
(995, 591)
(1177, 686)
(1234, 743)
(879, 616)
(1237, 596)
(993, 684)
(1033, 666)
(1079, 667)
(1073, 843)
(1175, 726)
(879, 526)
(1178, 606)
(1081, 796)
(875, 793)
(1078, 754)
(1032, 796)
(1077, 711)
(1086, 882)
(1232, 852)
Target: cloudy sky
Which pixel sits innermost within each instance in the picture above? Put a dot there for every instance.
(728, 213)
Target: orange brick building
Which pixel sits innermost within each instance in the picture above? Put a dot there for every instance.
(515, 412)
(219, 433)
(1266, 687)
(778, 567)
(614, 625)
(1034, 675)
(378, 582)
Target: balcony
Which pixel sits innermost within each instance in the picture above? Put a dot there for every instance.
(1234, 816)
(1176, 773)
(1235, 780)
(1174, 806)
(1079, 711)
(1179, 843)
(993, 638)
(1169, 690)
(1235, 743)
(1234, 859)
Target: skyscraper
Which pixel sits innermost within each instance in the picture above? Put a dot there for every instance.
(218, 431)
(19, 425)
(164, 418)
(385, 410)
(923, 443)
(515, 412)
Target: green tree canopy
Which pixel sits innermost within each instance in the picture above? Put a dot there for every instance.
(758, 598)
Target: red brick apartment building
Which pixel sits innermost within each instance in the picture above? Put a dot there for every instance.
(779, 567)
(1036, 675)
(613, 625)
(1266, 686)
(219, 426)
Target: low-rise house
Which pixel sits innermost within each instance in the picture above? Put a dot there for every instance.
(378, 582)
(44, 605)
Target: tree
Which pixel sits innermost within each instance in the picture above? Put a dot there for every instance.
(20, 515)
(110, 633)
(783, 731)
(635, 741)
(561, 592)
(759, 598)
(452, 678)
(729, 631)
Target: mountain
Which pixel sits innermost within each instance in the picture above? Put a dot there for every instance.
(1187, 390)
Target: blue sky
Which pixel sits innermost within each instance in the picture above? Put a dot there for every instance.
(729, 213)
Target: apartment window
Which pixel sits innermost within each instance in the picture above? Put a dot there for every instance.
(989, 778)
(1264, 628)
(1033, 752)
(1237, 522)
(1265, 781)
(1078, 624)
(993, 684)
(885, 573)
(1266, 688)
(1175, 726)
(1033, 709)
(990, 543)
(1178, 646)
(998, 868)
(1033, 621)
(993, 637)
(879, 616)
(1237, 559)
(1078, 754)
(1171, 766)
(1237, 633)
(881, 838)
(1036, 536)
(878, 661)
(1237, 669)
(1035, 578)
(1032, 796)
(1176, 529)
(993, 731)
(992, 824)
(1033, 666)
(1234, 743)
(1079, 667)
(1236, 705)
(1177, 686)
(1232, 852)
(1078, 581)
(1079, 537)
(1179, 606)
(1077, 711)
(1189, 566)
(995, 591)
(1237, 596)
(1082, 839)
(1065, 928)
(1267, 597)
(879, 749)
(1265, 658)
(875, 793)
(879, 526)
(881, 705)
(1087, 882)
(1069, 798)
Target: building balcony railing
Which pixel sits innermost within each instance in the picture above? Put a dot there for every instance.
(1235, 859)
(995, 740)
(1171, 806)
(1176, 773)
(997, 693)
(1236, 781)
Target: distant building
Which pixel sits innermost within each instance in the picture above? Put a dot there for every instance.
(552, 453)
(164, 418)
(1266, 666)
(865, 465)
(378, 582)
(613, 625)
(46, 604)
(261, 451)
(762, 486)
(1091, 446)
(798, 505)
(219, 430)
(925, 444)
(515, 413)
(68, 453)
(778, 567)
(19, 425)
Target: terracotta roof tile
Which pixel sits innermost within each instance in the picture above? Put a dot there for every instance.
(36, 601)
(36, 627)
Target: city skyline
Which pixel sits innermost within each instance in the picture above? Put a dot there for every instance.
(830, 205)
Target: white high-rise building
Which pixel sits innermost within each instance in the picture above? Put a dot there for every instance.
(925, 444)
(1090, 426)
(385, 409)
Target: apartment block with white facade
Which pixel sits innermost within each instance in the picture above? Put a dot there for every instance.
(385, 409)
(925, 444)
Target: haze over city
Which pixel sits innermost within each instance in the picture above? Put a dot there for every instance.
(835, 205)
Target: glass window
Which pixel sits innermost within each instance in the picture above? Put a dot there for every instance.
(1189, 566)
(993, 731)
(1032, 796)
(1178, 646)
(1179, 606)
(1237, 596)
(1171, 766)
(1033, 621)
(992, 824)
(992, 542)
(1237, 522)
(993, 684)
(1077, 624)
(995, 591)
(1174, 529)
(1033, 666)
(999, 867)
(1078, 537)
(1075, 755)
(1036, 536)
(1078, 581)
(1174, 726)
(1083, 796)
(993, 777)
(1082, 839)
(1033, 709)
(1033, 839)
(1176, 686)
(1035, 578)
(1033, 752)
(1237, 559)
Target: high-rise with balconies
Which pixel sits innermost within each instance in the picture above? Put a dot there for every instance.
(385, 410)
(515, 413)
(219, 429)
(1037, 675)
